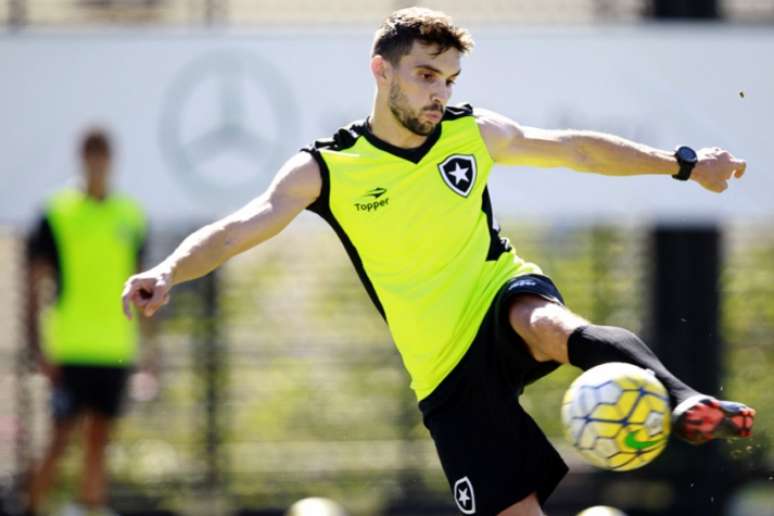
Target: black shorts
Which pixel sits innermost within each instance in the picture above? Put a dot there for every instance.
(492, 452)
(95, 388)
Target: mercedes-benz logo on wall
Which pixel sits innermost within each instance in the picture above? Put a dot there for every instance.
(226, 123)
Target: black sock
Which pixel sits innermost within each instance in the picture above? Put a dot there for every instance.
(592, 345)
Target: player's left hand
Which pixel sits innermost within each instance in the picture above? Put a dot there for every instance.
(715, 167)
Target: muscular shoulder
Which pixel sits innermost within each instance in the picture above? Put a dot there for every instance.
(497, 130)
(299, 178)
(494, 125)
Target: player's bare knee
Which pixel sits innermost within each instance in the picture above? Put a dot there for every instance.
(553, 320)
(544, 326)
(532, 322)
(524, 313)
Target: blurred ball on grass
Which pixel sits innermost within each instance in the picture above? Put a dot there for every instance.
(601, 510)
(316, 506)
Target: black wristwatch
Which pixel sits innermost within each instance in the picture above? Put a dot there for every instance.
(686, 158)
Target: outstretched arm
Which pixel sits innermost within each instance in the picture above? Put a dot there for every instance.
(586, 151)
(295, 187)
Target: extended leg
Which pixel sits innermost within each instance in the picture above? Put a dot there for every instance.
(592, 345)
(552, 332)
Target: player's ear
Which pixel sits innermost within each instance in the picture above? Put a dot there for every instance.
(380, 68)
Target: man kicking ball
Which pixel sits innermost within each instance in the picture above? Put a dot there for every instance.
(406, 192)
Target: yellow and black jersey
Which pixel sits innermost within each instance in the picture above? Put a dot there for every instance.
(418, 226)
(93, 247)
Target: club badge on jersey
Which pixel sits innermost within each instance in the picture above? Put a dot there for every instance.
(464, 496)
(459, 173)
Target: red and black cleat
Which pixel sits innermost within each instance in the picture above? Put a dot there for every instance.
(702, 418)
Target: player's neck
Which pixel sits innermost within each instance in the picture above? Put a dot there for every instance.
(95, 193)
(383, 124)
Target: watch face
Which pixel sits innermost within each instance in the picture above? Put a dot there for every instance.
(686, 154)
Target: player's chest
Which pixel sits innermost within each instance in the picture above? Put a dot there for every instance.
(403, 202)
(95, 232)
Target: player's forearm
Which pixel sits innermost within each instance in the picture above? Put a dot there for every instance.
(212, 245)
(614, 156)
(199, 254)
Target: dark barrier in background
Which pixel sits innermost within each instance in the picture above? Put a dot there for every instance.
(684, 333)
(209, 359)
(685, 305)
(685, 9)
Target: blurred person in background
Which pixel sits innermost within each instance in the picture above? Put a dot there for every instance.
(84, 244)
(406, 192)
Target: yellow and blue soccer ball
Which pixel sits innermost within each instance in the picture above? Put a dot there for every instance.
(617, 416)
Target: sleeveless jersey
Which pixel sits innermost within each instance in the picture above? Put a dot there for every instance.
(97, 244)
(418, 227)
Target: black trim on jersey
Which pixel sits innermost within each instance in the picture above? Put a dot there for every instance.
(455, 112)
(497, 244)
(347, 136)
(321, 206)
(41, 246)
(414, 154)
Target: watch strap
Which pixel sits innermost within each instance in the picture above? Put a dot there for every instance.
(686, 168)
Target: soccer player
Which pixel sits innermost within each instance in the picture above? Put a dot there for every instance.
(406, 192)
(88, 240)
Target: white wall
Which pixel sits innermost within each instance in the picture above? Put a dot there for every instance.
(168, 96)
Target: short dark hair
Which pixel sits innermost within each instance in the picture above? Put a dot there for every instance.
(398, 32)
(95, 141)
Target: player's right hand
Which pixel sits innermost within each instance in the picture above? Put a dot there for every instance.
(716, 167)
(148, 291)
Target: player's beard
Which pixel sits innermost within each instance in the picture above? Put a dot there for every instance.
(407, 116)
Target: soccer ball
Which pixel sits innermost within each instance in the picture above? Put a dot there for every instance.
(316, 506)
(601, 510)
(617, 416)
